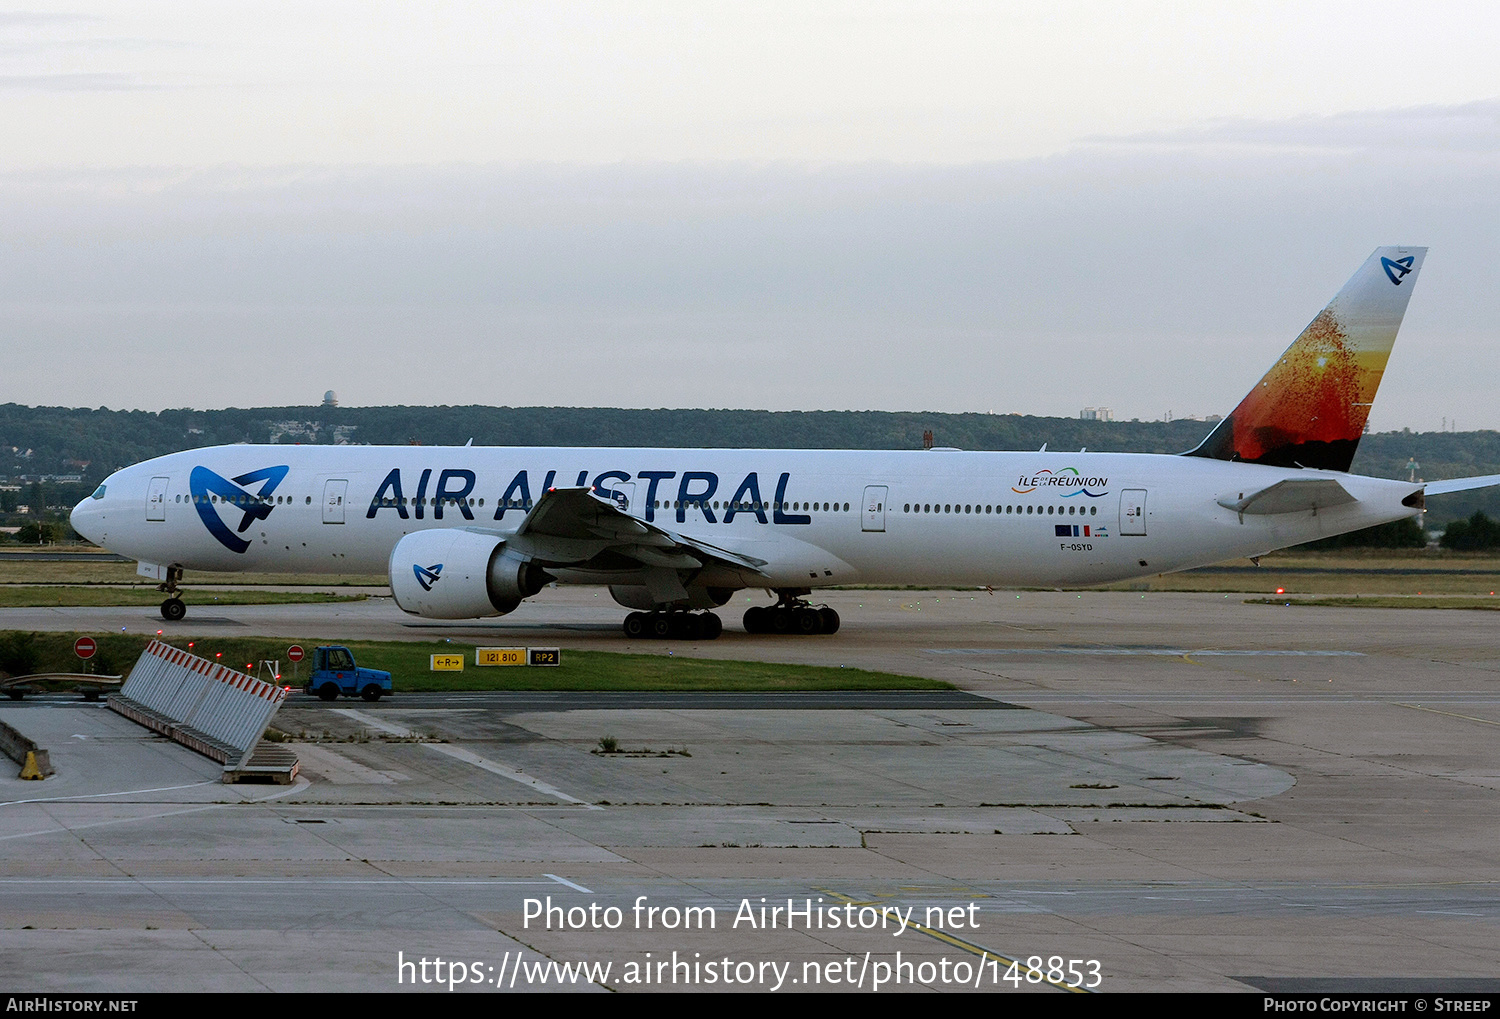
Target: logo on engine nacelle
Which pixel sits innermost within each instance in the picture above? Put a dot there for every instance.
(427, 575)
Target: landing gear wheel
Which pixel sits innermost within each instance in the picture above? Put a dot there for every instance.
(791, 615)
(328, 692)
(370, 693)
(635, 625)
(807, 621)
(688, 626)
(661, 625)
(712, 626)
(172, 610)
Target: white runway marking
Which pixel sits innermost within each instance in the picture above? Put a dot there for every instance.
(1109, 652)
(467, 756)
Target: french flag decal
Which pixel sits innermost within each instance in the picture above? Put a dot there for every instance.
(1072, 530)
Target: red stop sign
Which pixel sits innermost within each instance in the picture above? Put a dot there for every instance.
(295, 653)
(84, 647)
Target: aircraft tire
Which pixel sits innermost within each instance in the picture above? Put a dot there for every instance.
(712, 626)
(370, 693)
(660, 625)
(687, 626)
(755, 619)
(830, 620)
(807, 622)
(635, 625)
(172, 610)
(328, 692)
(781, 620)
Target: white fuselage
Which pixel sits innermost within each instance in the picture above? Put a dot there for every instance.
(816, 517)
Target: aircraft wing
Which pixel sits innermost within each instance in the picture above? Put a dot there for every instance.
(1461, 484)
(577, 527)
(1290, 496)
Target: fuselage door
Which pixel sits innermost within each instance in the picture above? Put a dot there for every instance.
(874, 517)
(156, 499)
(333, 501)
(625, 497)
(1133, 511)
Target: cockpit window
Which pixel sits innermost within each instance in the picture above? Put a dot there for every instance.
(98, 493)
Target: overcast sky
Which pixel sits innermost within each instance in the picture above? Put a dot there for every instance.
(1028, 208)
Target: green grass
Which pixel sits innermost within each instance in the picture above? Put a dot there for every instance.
(20, 596)
(408, 662)
(1379, 602)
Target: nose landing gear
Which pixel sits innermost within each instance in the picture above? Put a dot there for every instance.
(172, 610)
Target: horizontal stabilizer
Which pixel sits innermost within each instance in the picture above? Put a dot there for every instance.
(1294, 495)
(1461, 484)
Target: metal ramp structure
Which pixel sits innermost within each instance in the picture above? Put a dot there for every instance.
(220, 713)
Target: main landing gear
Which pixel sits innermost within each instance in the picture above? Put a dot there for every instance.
(791, 615)
(673, 626)
(172, 610)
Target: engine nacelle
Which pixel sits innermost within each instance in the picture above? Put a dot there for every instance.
(457, 574)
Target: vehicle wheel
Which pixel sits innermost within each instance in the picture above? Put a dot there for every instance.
(92, 695)
(830, 620)
(712, 626)
(172, 610)
(661, 625)
(328, 692)
(688, 626)
(635, 625)
(755, 619)
(15, 695)
(808, 622)
(370, 693)
(781, 620)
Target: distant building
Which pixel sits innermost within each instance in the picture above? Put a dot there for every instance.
(330, 399)
(1096, 414)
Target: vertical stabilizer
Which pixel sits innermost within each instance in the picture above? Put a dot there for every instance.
(1311, 407)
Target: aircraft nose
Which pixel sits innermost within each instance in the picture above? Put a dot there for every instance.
(85, 520)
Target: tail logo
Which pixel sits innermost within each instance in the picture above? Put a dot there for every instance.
(1398, 268)
(210, 492)
(427, 575)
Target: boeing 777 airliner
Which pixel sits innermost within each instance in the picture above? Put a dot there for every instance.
(472, 531)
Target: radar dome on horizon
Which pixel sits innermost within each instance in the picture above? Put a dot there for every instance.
(330, 399)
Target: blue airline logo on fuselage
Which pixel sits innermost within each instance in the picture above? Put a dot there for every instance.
(210, 491)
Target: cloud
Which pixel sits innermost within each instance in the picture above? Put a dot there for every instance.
(1468, 127)
(41, 19)
(1137, 276)
(81, 82)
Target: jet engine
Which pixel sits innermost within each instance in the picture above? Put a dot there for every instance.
(458, 574)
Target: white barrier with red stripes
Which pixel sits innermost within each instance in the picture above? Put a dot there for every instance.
(203, 698)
